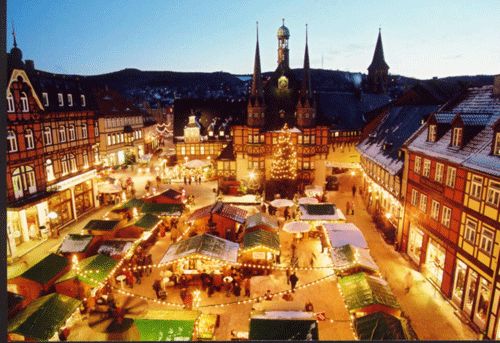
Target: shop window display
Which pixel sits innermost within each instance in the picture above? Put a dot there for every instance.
(435, 262)
(415, 244)
(458, 290)
(482, 304)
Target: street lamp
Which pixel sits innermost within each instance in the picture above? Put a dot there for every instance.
(52, 216)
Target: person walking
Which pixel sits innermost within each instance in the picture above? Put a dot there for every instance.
(293, 281)
(352, 207)
(353, 190)
(185, 180)
(246, 285)
(287, 213)
(156, 288)
(347, 207)
(408, 281)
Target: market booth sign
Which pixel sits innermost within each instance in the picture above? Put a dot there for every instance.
(41, 319)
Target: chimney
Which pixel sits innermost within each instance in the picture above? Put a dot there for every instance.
(29, 65)
(496, 86)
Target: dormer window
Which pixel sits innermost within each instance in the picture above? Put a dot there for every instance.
(221, 133)
(60, 99)
(456, 139)
(10, 104)
(496, 147)
(432, 133)
(45, 99)
(70, 100)
(24, 102)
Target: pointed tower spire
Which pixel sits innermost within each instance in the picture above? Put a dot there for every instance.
(14, 35)
(378, 60)
(257, 79)
(378, 69)
(306, 81)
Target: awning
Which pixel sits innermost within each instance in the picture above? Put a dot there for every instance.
(93, 270)
(350, 257)
(204, 245)
(41, 319)
(163, 209)
(267, 239)
(361, 291)
(383, 326)
(46, 269)
(167, 325)
(73, 243)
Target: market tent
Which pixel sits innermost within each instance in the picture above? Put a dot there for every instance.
(193, 164)
(116, 248)
(296, 227)
(284, 325)
(224, 210)
(204, 245)
(167, 325)
(95, 226)
(340, 227)
(278, 203)
(163, 209)
(170, 196)
(75, 244)
(134, 202)
(344, 237)
(322, 211)
(109, 188)
(348, 258)
(383, 326)
(308, 200)
(262, 238)
(148, 222)
(367, 294)
(41, 319)
(93, 270)
(261, 220)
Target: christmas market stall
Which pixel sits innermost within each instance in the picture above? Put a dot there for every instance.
(41, 319)
(85, 275)
(116, 248)
(260, 247)
(261, 221)
(342, 234)
(220, 219)
(15, 303)
(349, 259)
(162, 210)
(321, 213)
(129, 208)
(170, 196)
(167, 325)
(147, 224)
(80, 245)
(364, 294)
(201, 253)
(283, 326)
(39, 278)
(382, 326)
(106, 229)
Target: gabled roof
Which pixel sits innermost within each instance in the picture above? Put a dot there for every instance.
(261, 219)
(147, 221)
(42, 318)
(73, 243)
(224, 210)
(133, 203)
(171, 193)
(115, 247)
(46, 269)
(101, 225)
(227, 154)
(263, 238)
(163, 209)
(382, 326)
(93, 270)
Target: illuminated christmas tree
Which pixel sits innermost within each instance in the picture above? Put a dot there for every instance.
(284, 164)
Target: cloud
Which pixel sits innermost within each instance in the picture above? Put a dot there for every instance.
(453, 57)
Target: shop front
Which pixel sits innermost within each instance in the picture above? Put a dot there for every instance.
(471, 293)
(84, 197)
(60, 204)
(415, 242)
(434, 262)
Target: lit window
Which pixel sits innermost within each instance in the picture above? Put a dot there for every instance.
(493, 197)
(435, 210)
(72, 161)
(62, 134)
(450, 177)
(23, 180)
(470, 231)
(72, 133)
(457, 136)
(446, 216)
(96, 129)
(82, 100)
(432, 133)
(427, 168)
(10, 104)
(423, 203)
(414, 197)
(60, 99)
(49, 167)
(486, 242)
(438, 175)
(202, 150)
(64, 165)
(113, 139)
(192, 152)
(47, 135)
(96, 155)
(476, 187)
(496, 150)
(416, 166)
(109, 140)
(300, 139)
(30, 141)
(11, 141)
(45, 99)
(70, 100)
(24, 103)
(84, 131)
(85, 159)
(183, 150)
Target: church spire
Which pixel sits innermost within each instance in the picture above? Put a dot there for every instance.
(378, 60)
(14, 35)
(306, 81)
(257, 79)
(378, 69)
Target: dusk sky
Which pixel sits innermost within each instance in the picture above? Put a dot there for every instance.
(421, 38)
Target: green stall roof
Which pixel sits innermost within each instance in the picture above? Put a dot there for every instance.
(167, 325)
(137, 203)
(283, 329)
(383, 326)
(101, 225)
(46, 269)
(162, 209)
(97, 267)
(261, 237)
(41, 319)
(261, 219)
(361, 290)
(147, 221)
